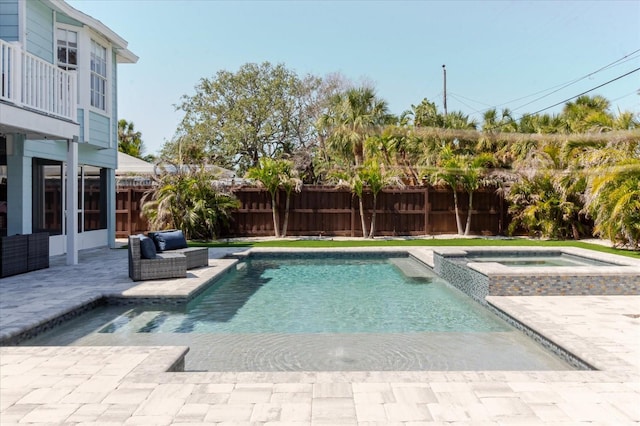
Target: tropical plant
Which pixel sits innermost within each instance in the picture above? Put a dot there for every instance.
(129, 140)
(461, 172)
(371, 176)
(541, 206)
(290, 183)
(267, 173)
(188, 198)
(375, 177)
(353, 116)
(273, 174)
(613, 200)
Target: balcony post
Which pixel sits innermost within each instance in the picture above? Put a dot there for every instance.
(15, 73)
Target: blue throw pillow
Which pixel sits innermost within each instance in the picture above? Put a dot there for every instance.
(147, 247)
(173, 240)
(161, 244)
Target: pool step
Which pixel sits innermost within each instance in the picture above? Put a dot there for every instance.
(412, 269)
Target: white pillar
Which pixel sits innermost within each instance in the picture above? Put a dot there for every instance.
(72, 203)
(111, 208)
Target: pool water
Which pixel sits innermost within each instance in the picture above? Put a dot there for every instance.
(320, 313)
(560, 259)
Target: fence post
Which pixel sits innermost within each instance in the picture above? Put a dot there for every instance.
(353, 217)
(427, 210)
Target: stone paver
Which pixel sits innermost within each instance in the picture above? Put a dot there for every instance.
(132, 385)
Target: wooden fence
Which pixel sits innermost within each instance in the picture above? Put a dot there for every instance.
(129, 219)
(328, 211)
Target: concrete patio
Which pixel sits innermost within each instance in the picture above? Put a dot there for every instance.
(134, 385)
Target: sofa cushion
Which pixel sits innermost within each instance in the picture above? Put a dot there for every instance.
(147, 247)
(161, 244)
(173, 240)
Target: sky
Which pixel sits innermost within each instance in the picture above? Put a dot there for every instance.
(523, 55)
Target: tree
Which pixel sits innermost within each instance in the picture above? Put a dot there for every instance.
(290, 182)
(353, 116)
(425, 114)
(274, 174)
(457, 171)
(613, 199)
(375, 177)
(261, 110)
(267, 173)
(187, 198)
(129, 140)
(588, 114)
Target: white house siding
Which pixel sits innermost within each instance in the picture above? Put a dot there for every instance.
(40, 30)
(9, 22)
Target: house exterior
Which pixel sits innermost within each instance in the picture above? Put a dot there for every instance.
(58, 119)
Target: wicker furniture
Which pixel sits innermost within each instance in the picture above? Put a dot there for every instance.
(196, 256)
(38, 251)
(165, 265)
(23, 253)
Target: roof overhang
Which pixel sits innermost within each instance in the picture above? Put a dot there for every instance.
(124, 55)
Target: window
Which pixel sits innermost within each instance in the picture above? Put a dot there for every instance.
(92, 198)
(67, 49)
(98, 76)
(48, 202)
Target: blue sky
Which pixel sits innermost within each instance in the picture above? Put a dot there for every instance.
(502, 54)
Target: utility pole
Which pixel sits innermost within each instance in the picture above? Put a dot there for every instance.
(444, 70)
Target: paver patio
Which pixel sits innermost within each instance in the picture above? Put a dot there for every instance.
(132, 385)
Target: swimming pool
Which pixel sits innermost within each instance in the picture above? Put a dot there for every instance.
(320, 312)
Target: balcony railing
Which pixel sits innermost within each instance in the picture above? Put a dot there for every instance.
(31, 83)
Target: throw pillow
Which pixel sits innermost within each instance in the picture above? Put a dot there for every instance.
(174, 240)
(161, 244)
(147, 248)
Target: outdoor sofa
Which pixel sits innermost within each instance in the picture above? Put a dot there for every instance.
(163, 255)
(23, 253)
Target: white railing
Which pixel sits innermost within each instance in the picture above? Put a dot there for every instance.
(29, 82)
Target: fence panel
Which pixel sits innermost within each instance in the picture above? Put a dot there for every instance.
(330, 211)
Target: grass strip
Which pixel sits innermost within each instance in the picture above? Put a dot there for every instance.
(428, 242)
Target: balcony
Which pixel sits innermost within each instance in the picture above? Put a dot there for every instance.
(36, 97)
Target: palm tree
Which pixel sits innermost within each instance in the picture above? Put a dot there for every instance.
(448, 173)
(375, 177)
(466, 172)
(588, 114)
(290, 182)
(129, 141)
(354, 115)
(425, 114)
(268, 174)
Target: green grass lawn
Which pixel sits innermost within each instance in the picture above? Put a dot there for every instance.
(454, 242)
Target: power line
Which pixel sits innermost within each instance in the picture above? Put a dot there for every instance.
(583, 93)
(575, 81)
(561, 86)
